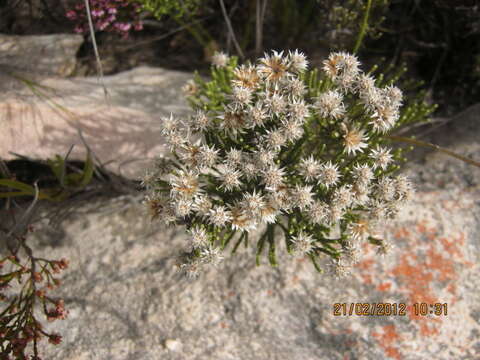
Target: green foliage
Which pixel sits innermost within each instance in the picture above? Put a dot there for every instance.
(173, 8)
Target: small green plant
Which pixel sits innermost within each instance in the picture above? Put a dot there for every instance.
(178, 9)
(181, 12)
(276, 149)
(67, 182)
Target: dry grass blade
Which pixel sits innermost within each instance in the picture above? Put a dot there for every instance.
(95, 49)
(230, 30)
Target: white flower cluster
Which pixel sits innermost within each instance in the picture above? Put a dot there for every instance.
(247, 163)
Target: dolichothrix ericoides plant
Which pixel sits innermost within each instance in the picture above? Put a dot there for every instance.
(283, 153)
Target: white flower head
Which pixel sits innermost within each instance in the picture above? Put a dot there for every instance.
(365, 84)
(385, 189)
(384, 118)
(275, 103)
(302, 244)
(330, 104)
(335, 214)
(346, 82)
(190, 88)
(340, 269)
(303, 196)
(184, 184)
(404, 188)
(292, 129)
(372, 98)
(241, 97)
(354, 138)
(299, 110)
(170, 124)
(385, 247)
(329, 174)
(202, 205)
(229, 177)
(360, 231)
(269, 213)
(274, 139)
(361, 193)
(381, 157)
(318, 212)
(250, 170)
(190, 153)
(207, 156)
(246, 76)
(257, 115)
(200, 121)
(352, 254)
(176, 139)
(211, 255)
(342, 197)
(378, 210)
(273, 177)
(393, 96)
(241, 219)
(253, 203)
(232, 121)
(274, 67)
(234, 157)
(220, 59)
(198, 237)
(280, 199)
(362, 174)
(298, 61)
(309, 168)
(219, 215)
(264, 157)
(295, 87)
(183, 207)
(341, 65)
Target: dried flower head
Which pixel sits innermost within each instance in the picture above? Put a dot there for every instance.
(273, 67)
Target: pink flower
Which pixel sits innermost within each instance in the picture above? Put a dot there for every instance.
(97, 13)
(79, 29)
(72, 15)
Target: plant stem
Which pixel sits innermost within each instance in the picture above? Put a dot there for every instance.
(435, 147)
(230, 29)
(95, 49)
(363, 28)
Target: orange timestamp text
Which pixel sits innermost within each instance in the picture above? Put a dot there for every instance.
(389, 309)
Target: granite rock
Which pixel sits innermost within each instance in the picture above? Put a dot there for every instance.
(128, 301)
(121, 127)
(53, 55)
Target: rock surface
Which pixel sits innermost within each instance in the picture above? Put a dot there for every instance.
(122, 129)
(40, 54)
(127, 300)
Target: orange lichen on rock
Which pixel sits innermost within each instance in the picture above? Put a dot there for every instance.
(384, 286)
(388, 340)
